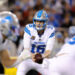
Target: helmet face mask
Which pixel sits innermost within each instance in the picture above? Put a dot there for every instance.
(39, 25)
(40, 20)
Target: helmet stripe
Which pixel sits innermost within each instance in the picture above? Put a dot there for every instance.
(9, 18)
(40, 13)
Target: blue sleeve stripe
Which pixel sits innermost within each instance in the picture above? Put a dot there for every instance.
(53, 34)
(71, 43)
(27, 31)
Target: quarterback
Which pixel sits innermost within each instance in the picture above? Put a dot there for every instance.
(6, 19)
(39, 38)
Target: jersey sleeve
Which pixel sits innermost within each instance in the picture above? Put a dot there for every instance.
(27, 38)
(51, 40)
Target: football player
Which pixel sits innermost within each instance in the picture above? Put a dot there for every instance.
(64, 62)
(39, 37)
(5, 32)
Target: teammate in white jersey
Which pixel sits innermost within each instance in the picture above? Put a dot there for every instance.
(64, 62)
(38, 38)
(5, 32)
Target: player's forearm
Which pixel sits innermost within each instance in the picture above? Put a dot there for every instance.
(47, 54)
(5, 58)
(61, 54)
(8, 62)
(23, 56)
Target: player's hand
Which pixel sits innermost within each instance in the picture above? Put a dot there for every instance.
(32, 56)
(25, 55)
(38, 58)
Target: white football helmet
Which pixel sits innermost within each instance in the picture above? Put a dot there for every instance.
(4, 26)
(40, 16)
(7, 20)
(11, 17)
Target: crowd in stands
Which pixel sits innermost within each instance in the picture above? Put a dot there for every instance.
(60, 13)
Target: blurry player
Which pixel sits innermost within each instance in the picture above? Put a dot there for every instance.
(64, 62)
(38, 38)
(5, 32)
(71, 33)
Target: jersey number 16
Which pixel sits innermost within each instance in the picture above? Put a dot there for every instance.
(38, 49)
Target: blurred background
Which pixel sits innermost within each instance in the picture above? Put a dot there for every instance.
(61, 14)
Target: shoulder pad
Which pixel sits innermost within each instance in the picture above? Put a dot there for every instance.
(27, 30)
(29, 25)
(53, 31)
(50, 26)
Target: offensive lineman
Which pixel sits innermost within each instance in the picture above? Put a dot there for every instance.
(4, 34)
(38, 38)
(64, 62)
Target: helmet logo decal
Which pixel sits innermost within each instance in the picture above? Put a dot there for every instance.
(39, 13)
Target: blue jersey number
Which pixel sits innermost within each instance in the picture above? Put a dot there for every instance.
(38, 49)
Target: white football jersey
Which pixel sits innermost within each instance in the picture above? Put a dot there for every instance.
(37, 43)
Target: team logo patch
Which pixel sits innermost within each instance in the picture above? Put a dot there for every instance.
(33, 37)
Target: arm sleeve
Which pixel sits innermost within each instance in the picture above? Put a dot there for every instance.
(27, 39)
(50, 42)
